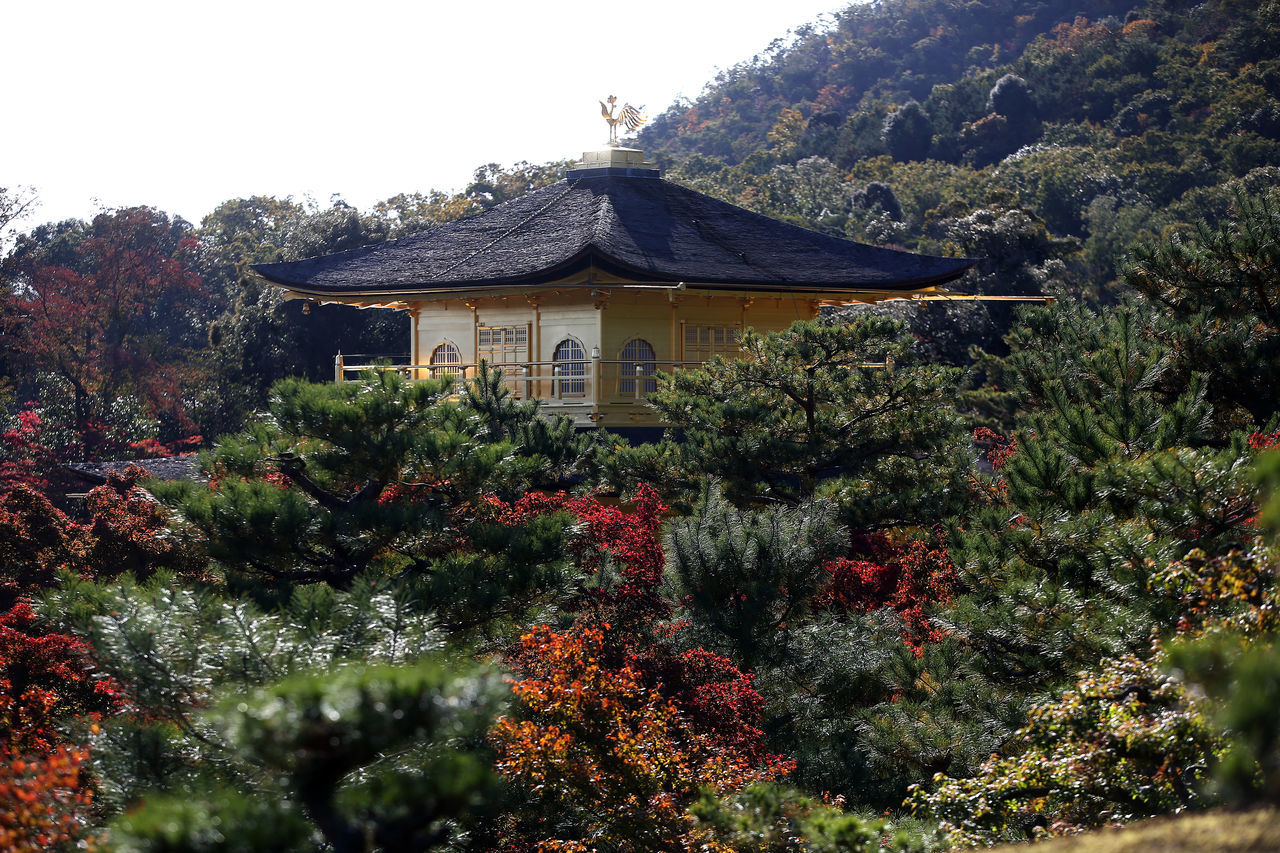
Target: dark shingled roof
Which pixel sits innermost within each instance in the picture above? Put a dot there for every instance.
(166, 468)
(624, 221)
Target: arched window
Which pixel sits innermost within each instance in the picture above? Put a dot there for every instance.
(442, 357)
(637, 369)
(570, 361)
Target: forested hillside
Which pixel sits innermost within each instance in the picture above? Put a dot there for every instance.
(1044, 138)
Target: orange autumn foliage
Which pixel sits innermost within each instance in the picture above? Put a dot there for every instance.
(612, 764)
(43, 802)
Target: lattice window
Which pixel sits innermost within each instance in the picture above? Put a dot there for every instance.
(570, 361)
(442, 357)
(637, 368)
(703, 342)
(503, 345)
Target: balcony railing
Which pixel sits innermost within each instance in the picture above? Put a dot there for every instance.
(593, 391)
(589, 386)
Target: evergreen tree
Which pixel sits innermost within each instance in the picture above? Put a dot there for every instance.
(907, 132)
(364, 757)
(1113, 476)
(1011, 97)
(174, 651)
(385, 476)
(749, 577)
(842, 411)
(1223, 290)
(862, 709)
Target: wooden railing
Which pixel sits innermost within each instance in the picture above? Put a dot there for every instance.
(592, 380)
(587, 390)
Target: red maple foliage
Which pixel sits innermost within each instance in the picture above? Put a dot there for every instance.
(101, 308)
(36, 539)
(24, 458)
(46, 681)
(608, 536)
(611, 716)
(128, 531)
(714, 695)
(903, 578)
(44, 678)
(1264, 441)
(1000, 448)
(597, 741)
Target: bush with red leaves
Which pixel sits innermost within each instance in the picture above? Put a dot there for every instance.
(999, 448)
(46, 682)
(128, 531)
(44, 801)
(904, 579)
(711, 696)
(715, 696)
(44, 679)
(628, 541)
(36, 539)
(1264, 440)
(610, 763)
(24, 458)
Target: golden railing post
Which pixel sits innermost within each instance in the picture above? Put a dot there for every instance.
(595, 384)
(337, 367)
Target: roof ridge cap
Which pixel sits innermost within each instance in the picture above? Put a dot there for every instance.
(604, 206)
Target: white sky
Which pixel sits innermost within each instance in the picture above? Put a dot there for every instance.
(182, 104)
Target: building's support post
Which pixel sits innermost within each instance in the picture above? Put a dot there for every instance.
(475, 332)
(675, 343)
(595, 383)
(536, 334)
(414, 354)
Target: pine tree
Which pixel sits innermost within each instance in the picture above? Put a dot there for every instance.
(1117, 471)
(384, 476)
(863, 710)
(1222, 288)
(366, 757)
(840, 411)
(747, 576)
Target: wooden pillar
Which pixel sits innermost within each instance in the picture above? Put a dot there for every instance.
(675, 330)
(475, 336)
(535, 302)
(415, 357)
(595, 384)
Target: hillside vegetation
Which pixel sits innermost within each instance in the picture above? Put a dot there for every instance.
(1044, 138)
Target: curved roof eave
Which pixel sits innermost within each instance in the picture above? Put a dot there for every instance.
(645, 230)
(591, 257)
